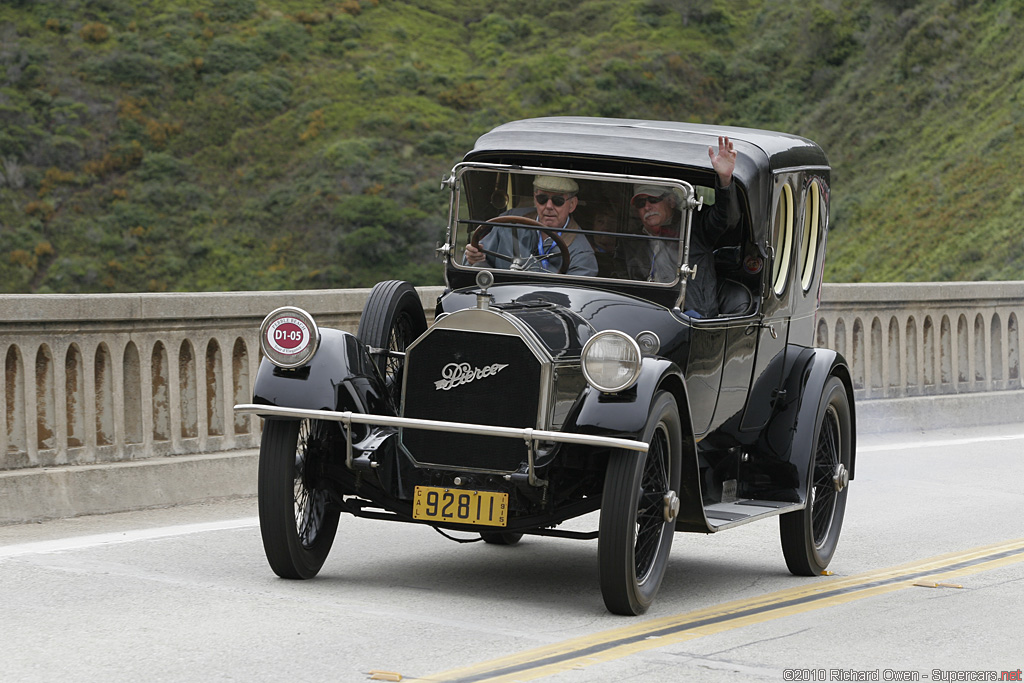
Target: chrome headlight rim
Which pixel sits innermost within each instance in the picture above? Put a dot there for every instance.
(289, 337)
(632, 348)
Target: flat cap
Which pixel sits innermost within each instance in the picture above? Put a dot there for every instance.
(556, 184)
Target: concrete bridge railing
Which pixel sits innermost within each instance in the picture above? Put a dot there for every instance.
(116, 378)
(922, 339)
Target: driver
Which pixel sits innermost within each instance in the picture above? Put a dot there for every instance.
(554, 200)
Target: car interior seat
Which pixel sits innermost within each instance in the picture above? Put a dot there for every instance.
(734, 298)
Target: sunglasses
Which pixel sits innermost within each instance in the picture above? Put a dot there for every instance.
(641, 202)
(556, 199)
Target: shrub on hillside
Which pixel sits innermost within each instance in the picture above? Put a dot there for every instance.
(351, 154)
(163, 166)
(437, 144)
(463, 97)
(281, 37)
(232, 10)
(118, 159)
(261, 93)
(178, 197)
(94, 32)
(31, 76)
(228, 54)
(58, 25)
(121, 68)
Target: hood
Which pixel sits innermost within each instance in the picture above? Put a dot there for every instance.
(565, 317)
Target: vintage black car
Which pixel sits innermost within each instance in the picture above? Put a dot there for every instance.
(558, 378)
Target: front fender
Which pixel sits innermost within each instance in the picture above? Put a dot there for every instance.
(625, 414)
(339, 377)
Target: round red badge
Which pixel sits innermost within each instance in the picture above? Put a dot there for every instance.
(288, 335)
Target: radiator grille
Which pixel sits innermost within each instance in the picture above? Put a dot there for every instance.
(472, 377)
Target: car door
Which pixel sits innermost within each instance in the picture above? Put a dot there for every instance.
(777, 308)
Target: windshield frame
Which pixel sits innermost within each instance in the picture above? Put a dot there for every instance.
(688, 199)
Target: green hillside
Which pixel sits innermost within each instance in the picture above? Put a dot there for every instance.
(277, 144)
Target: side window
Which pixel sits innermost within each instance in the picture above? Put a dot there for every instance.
(811, 235)
(782, 239)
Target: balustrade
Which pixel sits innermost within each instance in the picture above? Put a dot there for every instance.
(92, 378)
(925, 338)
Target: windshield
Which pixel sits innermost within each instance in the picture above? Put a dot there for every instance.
(545, 221)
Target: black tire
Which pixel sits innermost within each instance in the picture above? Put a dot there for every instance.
(809, 536)
(392, 319)
(634, 537)
(297, 522)
(500, 537)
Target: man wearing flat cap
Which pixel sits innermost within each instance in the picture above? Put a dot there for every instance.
(554, 200)
(656, 207)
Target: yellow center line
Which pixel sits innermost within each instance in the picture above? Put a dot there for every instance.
(648, 635)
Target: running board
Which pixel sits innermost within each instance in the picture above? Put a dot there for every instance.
(725, 515)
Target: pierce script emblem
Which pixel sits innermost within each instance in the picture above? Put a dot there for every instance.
(457, 374)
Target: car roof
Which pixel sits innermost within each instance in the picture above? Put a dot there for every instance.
(667, 142)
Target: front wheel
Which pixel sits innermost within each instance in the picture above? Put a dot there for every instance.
(810, 536)
(297, 522)
(638, 511)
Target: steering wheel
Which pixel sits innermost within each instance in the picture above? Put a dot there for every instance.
(483, 230)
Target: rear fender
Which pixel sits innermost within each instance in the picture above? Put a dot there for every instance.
(339, 377)
(788, 438)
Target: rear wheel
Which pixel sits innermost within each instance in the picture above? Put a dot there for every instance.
(638, 513)
(809, 536)
(392, 319)
(297, 522)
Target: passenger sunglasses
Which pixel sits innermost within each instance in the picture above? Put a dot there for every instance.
(556, 199)
(641, 202)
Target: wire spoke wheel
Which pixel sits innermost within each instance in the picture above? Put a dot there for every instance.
(637, 517)
(810, 536)
(650, 511)
(309, 500)
(824, 496)
(297, 522)
(400, 335)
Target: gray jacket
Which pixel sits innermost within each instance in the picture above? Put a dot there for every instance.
(655, 260)
(502, 240)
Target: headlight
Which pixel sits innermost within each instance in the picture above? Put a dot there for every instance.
(611, 361)
(289, 337)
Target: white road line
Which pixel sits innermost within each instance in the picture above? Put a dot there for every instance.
(937, 444)
(80, 542)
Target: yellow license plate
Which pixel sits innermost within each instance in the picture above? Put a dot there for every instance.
(438, 504)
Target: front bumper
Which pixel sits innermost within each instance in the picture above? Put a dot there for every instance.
(529, 435)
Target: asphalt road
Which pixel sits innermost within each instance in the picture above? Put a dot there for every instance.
(928, 584)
